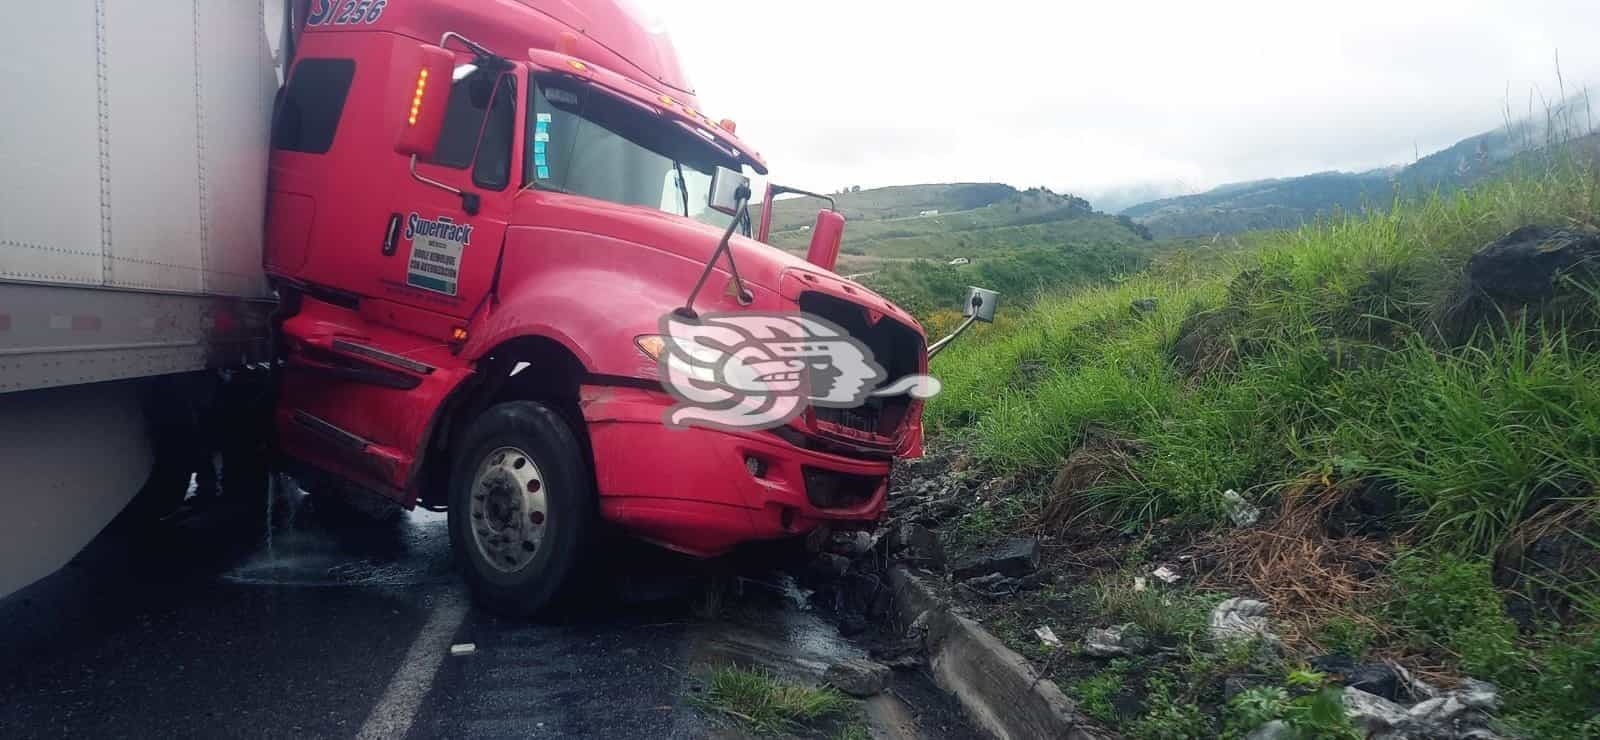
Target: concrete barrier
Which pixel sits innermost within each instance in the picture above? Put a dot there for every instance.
(997, 688)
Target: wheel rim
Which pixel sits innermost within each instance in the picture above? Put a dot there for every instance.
(508, 509)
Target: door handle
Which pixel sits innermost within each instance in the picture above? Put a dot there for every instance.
(391, 235)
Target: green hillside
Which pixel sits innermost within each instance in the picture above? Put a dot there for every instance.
(1414, 414)
(901, 201)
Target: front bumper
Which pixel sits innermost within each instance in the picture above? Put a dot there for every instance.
(693, 490)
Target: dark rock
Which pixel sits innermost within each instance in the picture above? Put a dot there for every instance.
(1369, 510)
(900, 655)
(917, 544)
(1144, 305)
(1523, 270)
(1012, 558)
(858, 677)
(992, 586)
(1525, 264)
(853, 623)
(1035, 581)
(1376, 679)
(829, 566)
(861, 592)
(1334, 663)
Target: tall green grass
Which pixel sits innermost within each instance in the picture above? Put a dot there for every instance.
(1328, 352)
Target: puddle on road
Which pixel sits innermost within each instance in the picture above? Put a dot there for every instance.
(327, 546)
(772, 627)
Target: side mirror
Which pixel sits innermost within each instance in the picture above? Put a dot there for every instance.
(725, 186)
(422, 91)
(980, 304)
(825, 239)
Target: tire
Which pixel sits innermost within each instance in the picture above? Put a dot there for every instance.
(517, 542)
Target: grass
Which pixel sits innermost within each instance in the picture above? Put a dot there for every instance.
(767, 705)
(1329, 354)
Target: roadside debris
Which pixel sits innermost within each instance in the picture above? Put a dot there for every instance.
(463, 648)
(1242, 512)
(1047, 636)
(1114, 641)
(1241, 619)
(1013, 558)
(858, 677)
(1464, 714)
(1167, 575)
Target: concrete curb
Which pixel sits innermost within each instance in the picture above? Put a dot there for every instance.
(997, 688)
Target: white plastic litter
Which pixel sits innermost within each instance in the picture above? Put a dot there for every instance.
(463, 648)
(1167, 575)
(1048, 636)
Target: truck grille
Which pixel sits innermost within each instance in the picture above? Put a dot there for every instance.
(895, 346)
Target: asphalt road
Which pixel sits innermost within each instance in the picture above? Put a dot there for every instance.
(343, 627)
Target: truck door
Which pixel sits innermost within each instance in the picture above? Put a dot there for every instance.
(447, 222)
(362, 387)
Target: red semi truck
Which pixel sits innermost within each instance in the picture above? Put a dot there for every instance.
(480, 218)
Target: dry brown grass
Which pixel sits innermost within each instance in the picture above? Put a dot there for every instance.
(1103, 457)
(1292, 562)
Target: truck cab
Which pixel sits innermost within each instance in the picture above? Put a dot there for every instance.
(480, 217)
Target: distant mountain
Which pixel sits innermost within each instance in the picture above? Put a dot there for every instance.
(1291, 201)
(1263, 204)
(900, 201)
(1117, 199)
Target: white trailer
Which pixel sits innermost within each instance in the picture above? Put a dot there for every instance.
(133, 172)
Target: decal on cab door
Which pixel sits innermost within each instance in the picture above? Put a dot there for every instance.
(436, 247)
(345, 12)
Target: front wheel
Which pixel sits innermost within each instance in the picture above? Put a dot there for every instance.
(521, 507)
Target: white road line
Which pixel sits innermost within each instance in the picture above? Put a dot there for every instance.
(392, 716)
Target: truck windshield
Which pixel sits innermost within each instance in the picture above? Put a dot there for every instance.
(585, 142)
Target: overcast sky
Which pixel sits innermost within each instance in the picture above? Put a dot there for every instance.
(1083, 97)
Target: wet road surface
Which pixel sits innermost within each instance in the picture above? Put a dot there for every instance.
(343, 627)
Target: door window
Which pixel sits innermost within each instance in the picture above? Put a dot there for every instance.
(479, 122)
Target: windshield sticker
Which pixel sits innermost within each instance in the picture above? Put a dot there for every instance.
(544, 173)
(542, 118)
(436, 247)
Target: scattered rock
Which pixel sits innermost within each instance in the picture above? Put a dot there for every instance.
(992, 586)
(1275, 730)
(1374, 716)
(1480, 695)
(863, 594)
(853, 623)
(830, 566)
(1526, 264)
(1522, 270)
(851, 543)
(903, 655)
(1242, 512)
(463, 648)
(1144, 305)
(1441, 711)
(1377, 679)
(1012, 558)
(919, 625)
(1241, 619)
(1412, 689)
(1115, 641)
(1337, 663)
(858, 677)
(916, 544)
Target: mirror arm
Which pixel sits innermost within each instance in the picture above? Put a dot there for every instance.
(745, 297)
(778, 190)
(469, 201)
(934, 348)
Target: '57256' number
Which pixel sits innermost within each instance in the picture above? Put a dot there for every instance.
(345, 12)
